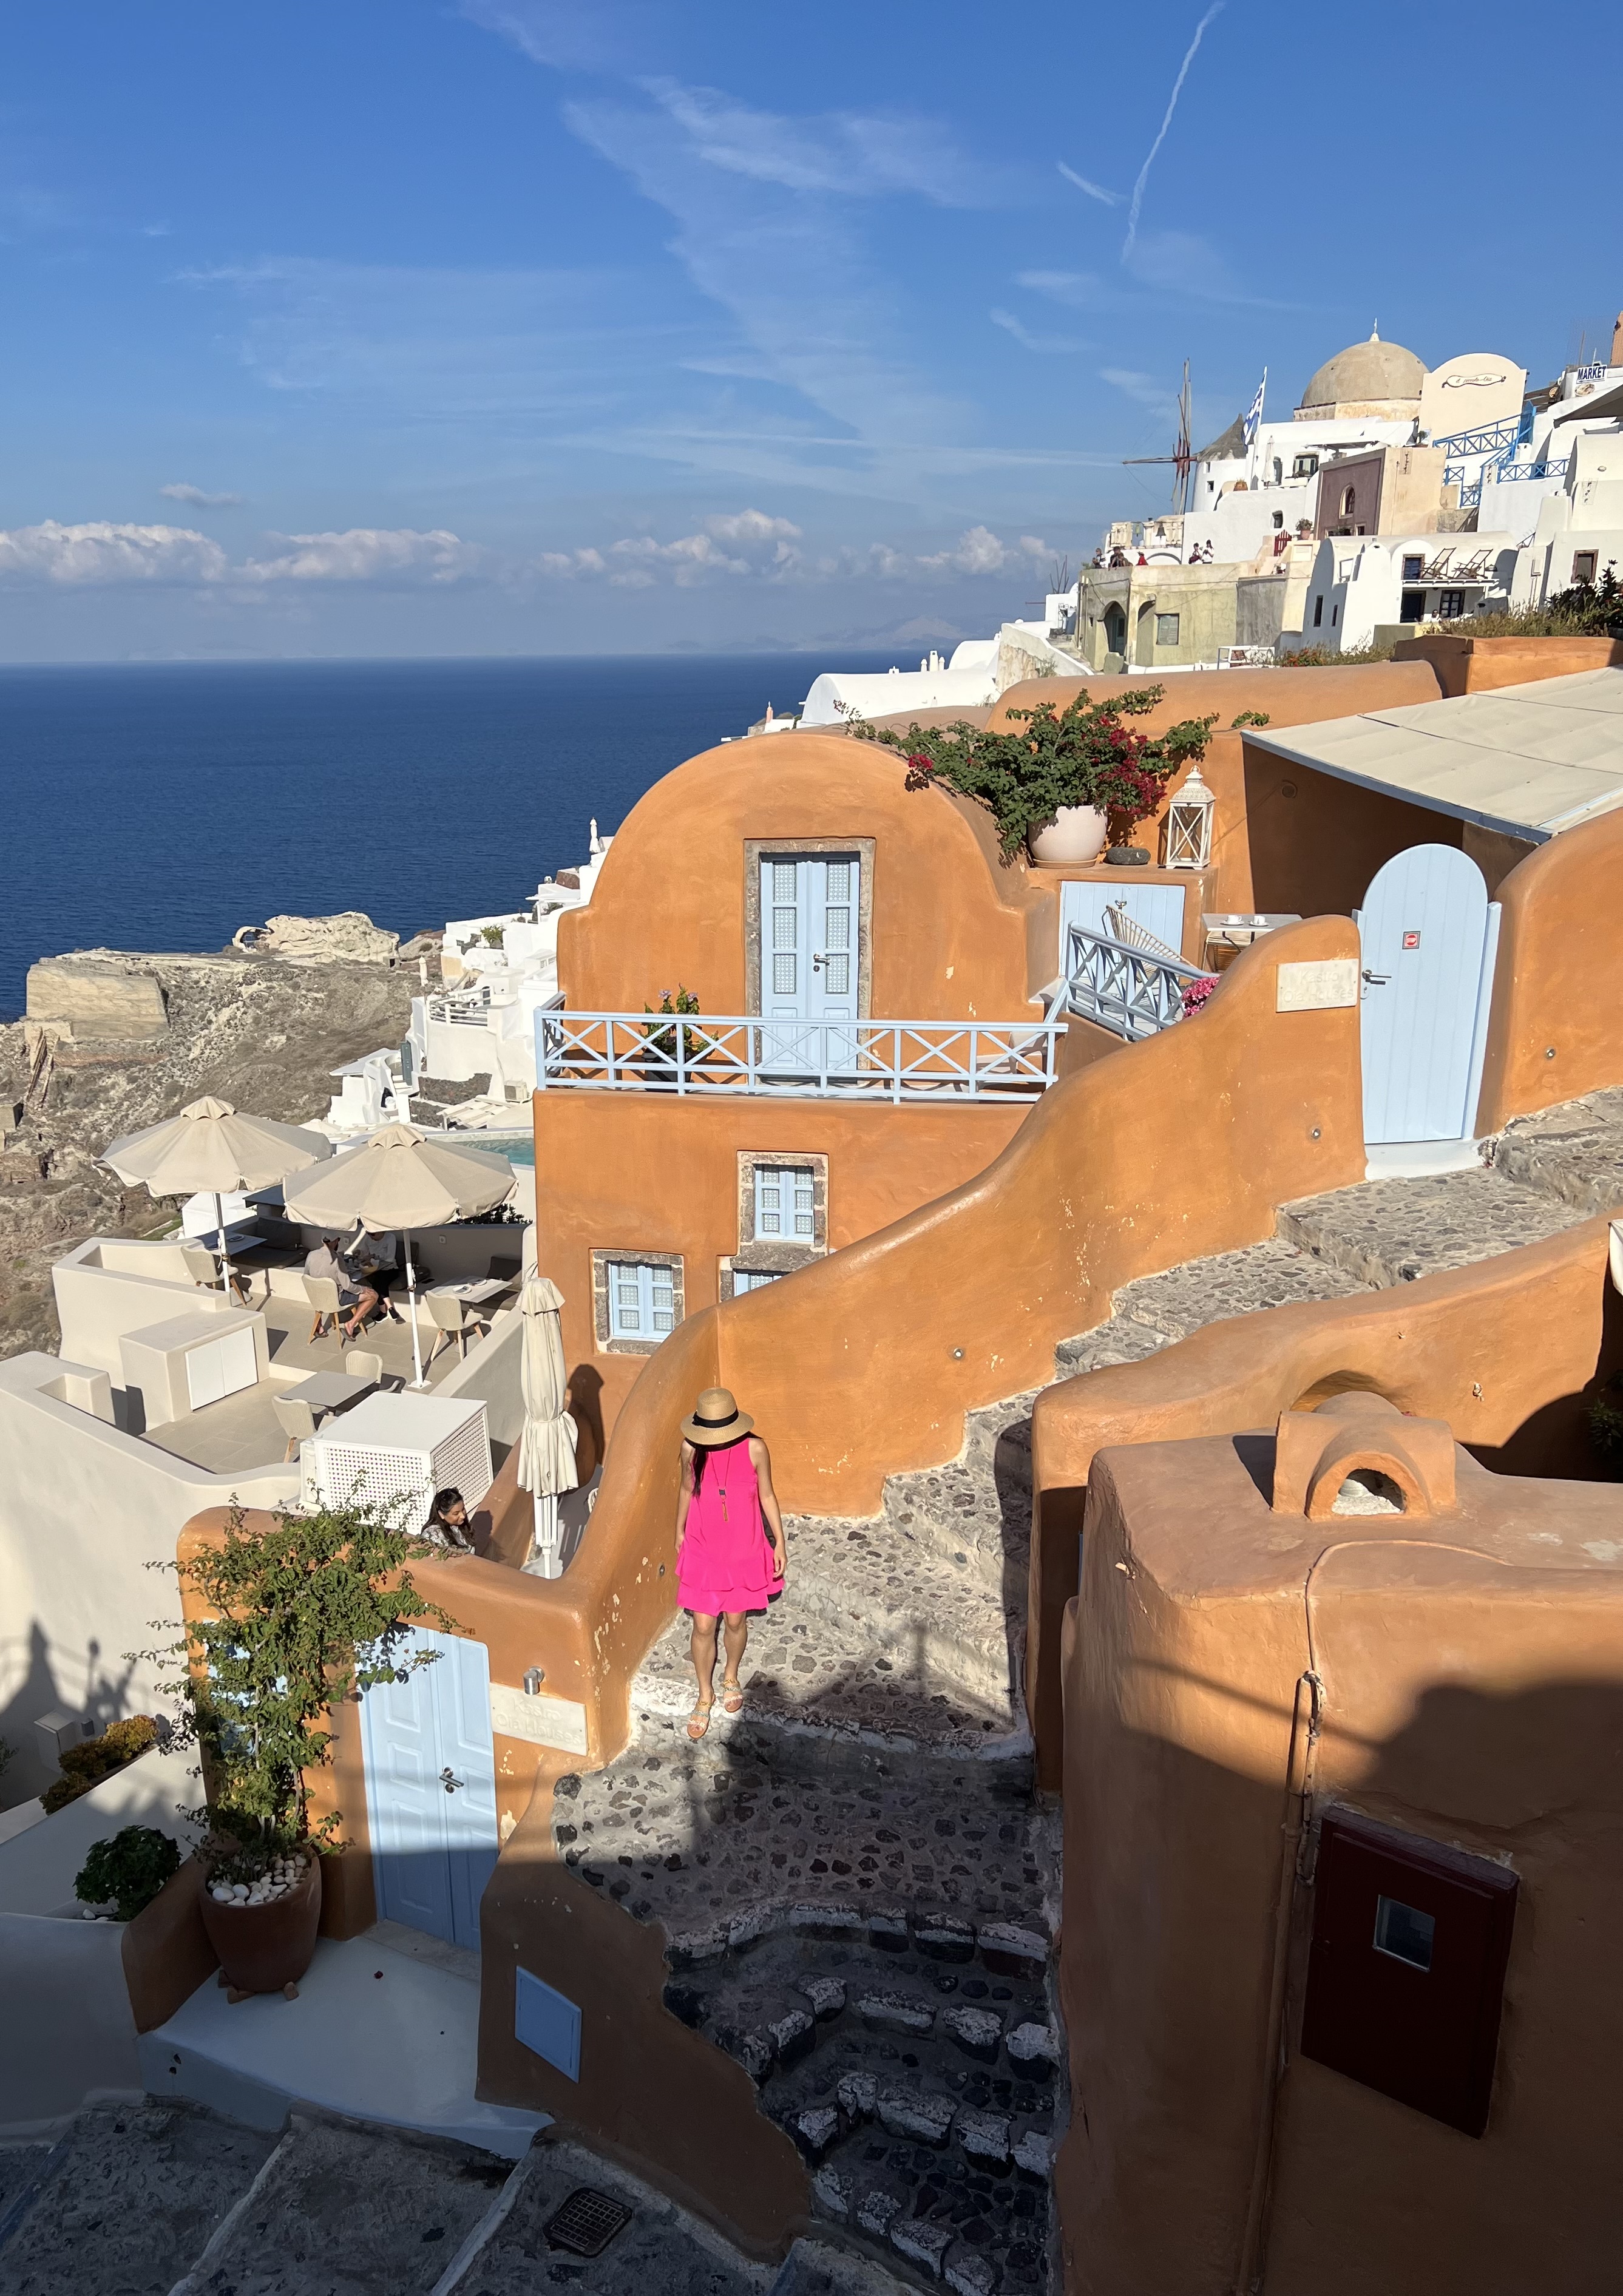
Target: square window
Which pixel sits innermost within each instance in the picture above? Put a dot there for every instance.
(1450, 606)
(641, 1299)
(1414, 568)
(1583, 565)
(1404, 1932)
(1305, 466)
(784, 1204)
(1166, 630)
(753, 1279)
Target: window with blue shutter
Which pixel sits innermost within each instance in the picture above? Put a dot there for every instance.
(752, 1279)
(783, 1206)
(641, 1299)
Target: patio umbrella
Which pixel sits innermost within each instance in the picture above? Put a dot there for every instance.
(546, 1446)
(209, 1149)
(401, 1179)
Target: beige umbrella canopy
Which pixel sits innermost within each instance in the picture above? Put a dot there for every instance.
(209, 1149)
(401, 1179)
(546, 1444)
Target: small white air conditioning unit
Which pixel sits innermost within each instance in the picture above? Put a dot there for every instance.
(393, 1452)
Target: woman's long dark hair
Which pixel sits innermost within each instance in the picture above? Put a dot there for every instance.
(702, 1452)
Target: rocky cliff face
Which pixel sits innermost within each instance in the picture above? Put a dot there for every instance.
(259, 1030)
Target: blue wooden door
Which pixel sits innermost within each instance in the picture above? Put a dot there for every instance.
(810, 906)
(1083, 901)
(430, 1789)
(1422, 935)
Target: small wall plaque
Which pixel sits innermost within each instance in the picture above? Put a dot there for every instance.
(539, 1720)
(1321, 988)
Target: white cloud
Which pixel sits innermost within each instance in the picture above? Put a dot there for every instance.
(980, 552)
(368, 554)
(751, 526)
(99, 553)
(1144, 389)
(199, 497)
(1094, 191)
(852, 154)
(1077, 290)
(1022, 334)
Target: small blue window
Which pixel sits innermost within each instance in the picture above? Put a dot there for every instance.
(752, 1279)
(641, 1299)
(784, 1212)
(547, 2024)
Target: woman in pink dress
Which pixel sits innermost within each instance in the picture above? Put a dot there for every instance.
(730, 1557)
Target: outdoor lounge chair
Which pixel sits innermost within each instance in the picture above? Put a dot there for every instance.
(454, 1319)
(296, 1420)
(361, 1363)
(321, 1292)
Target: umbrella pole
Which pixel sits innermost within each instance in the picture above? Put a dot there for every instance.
(411, 1293)
(219, 1237)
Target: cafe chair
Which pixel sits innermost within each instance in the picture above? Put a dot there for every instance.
(296, 1420)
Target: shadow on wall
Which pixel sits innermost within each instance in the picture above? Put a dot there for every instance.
(41, 1681)
(1174, 1880)
(1511, 1352)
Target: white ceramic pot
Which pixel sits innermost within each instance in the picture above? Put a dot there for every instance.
(1074, 837)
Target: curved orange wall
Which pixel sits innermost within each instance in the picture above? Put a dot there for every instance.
(1555, 1031)
(949, 924)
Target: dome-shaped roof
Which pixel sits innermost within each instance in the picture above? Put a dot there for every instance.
(1363, 372)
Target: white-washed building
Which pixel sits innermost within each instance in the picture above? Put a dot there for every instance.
(1365, 588)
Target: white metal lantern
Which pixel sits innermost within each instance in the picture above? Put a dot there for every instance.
(1189, 825)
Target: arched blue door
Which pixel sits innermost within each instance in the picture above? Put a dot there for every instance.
(1424, 934)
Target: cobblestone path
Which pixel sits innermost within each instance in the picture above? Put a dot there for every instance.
(856, 1886)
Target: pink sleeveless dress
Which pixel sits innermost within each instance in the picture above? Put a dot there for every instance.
(725, 1562)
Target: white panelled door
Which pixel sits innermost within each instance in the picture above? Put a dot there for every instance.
(810, 906)
(1425, 946)
(430, 1789)
(1083, 901)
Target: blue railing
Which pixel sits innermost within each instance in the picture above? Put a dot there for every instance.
(952, 1061)
(1132, 992)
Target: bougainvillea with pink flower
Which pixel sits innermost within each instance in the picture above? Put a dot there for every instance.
(1198, 994)
(1048, 758)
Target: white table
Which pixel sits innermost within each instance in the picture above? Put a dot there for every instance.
(330, 1390)
(487, 1288)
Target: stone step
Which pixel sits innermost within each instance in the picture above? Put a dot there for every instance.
(1390, 1231)
(719, 1850)
(127, 2199)
(1574, 1152)
(351, 2207)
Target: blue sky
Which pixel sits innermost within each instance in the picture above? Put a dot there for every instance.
(377, 326)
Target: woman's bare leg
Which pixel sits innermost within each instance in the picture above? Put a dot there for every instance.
(736, 1634)
(701, 1650)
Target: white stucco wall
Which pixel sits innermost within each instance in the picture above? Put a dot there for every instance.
(39, 1865)
(65, 2014)
(84, 1509)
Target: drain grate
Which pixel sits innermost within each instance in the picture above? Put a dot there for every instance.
(587, 2222)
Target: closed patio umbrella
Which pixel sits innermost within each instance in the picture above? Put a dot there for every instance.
(546, 1446)
(209, 1149)
(401, 1179)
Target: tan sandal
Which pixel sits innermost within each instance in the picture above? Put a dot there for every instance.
(701, 1716)
(732, 1697)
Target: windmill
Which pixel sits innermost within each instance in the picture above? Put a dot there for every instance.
(1182, 458)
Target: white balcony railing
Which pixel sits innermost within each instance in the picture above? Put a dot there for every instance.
(951, 1061)
(1132, 992)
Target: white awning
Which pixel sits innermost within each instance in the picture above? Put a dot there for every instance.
(1530, 761)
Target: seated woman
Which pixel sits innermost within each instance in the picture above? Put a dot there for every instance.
(372, 1259)
(447, 1524)
(327, 1262)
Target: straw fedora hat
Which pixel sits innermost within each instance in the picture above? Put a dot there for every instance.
(716, 1419)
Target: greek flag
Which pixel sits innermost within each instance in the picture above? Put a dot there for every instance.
(1254, 415)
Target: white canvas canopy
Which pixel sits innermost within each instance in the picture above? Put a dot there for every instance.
(546, 1446)
(1530, 761)
(209, 1149)
(401, 1179)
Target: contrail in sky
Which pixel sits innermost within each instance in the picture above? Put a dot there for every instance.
(1094, 191)
(1178, 89)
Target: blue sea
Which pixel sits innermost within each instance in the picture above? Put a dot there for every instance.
(162, 806)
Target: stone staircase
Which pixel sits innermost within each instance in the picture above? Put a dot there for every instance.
(169, 2199)
(853, 1865)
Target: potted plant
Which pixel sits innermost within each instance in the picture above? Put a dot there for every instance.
(1058, 781)
(294, 1613)
(126, 1871)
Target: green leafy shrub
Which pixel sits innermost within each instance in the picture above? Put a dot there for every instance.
(1248, 717)
(127, 1871)
(86, 1766)
(1081, 755)
(1588, 610)
(1605, 1427)
(297, 1615)
(1318, 657)
(663, 1041)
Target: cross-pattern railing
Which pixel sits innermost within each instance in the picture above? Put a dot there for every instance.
(949, 1060)
(1132, 992)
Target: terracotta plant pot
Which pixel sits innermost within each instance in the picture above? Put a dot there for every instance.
(1074, 837)
(265, 1948)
